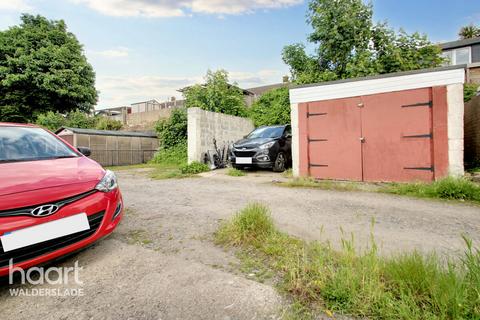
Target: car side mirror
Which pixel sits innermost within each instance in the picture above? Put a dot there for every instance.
(288, 136)
(85, 151)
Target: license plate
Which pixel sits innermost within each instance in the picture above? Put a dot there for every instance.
(243, 160)
(44, 232)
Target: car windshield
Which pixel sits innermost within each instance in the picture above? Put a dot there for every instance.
(266, 132)
(31, 144)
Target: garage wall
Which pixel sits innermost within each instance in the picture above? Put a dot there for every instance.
(472, 132)
(398, 127)
(204, 126)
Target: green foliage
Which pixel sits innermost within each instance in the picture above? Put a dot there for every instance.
(350, 45)
(468, 32)
(272, 108)
(76, 119)
(105, 123)
(361, 284)
(43, 68)
(172, 131)
(449, 188)
(79, 119)
(194, 168)
(174, 155)
(236, 173)
(469, 91)
(51, 120)
(216, 95)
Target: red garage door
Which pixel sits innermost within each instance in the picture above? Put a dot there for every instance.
(382, 137)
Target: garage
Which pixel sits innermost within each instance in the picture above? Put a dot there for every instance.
(397, 127)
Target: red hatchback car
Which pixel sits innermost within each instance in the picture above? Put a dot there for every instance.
(53, 199)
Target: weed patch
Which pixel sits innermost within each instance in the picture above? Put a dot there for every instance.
(194, 168)
(361, 284)
(449, 188)
(236, 173)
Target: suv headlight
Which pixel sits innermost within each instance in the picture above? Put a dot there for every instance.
(108, 182)
(267, 145)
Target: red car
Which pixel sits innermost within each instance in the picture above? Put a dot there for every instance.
(53, 199)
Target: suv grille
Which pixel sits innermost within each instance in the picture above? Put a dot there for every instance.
(239, 153)
(49, 246)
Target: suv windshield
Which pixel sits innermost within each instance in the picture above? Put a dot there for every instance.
(266, 132)
(30, 144)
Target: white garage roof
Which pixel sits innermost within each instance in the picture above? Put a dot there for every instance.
(378, 84)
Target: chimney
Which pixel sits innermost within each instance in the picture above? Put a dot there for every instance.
(286, 79)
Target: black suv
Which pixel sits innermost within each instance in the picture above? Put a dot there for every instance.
(265, 147)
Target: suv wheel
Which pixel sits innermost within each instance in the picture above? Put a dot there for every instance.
(280, 162)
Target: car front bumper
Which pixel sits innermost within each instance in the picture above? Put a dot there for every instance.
(104, 212)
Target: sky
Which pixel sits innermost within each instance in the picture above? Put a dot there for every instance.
(148, 49)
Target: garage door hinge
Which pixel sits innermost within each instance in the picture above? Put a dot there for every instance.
(317, 165)
(315, 114)
(429, 135)
(421, 168)
(420, 104)
(316, 140)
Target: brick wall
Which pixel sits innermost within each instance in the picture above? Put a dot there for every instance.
(472, 132)
(204, 126)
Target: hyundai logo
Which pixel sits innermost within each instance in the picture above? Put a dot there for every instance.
(44, 211)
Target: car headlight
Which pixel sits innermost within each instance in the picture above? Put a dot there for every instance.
(108, 182)
(267, 145)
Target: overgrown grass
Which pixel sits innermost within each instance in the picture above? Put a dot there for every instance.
(361, 284)
(194, 168)
(449, 188)
(236, 173)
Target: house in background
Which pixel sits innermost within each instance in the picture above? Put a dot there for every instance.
(467, 52)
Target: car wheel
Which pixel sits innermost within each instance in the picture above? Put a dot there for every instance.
(280, 162)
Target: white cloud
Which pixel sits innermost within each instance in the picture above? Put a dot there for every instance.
(119, 52)
(177, 8)
(14, 5)
(124, 90)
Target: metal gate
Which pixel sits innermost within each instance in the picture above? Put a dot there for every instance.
(381, 137)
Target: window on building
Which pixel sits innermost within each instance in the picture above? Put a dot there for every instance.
(457, 56)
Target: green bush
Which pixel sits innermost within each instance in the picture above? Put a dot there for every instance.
(105, 123)
(173, 131)
(194, 168)
(469, 91)
(176, 155)
(51, 120)
(272, 108)
(80, 119)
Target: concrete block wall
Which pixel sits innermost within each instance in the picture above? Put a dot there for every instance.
(472, 132)
(204, 126)
(147, 119)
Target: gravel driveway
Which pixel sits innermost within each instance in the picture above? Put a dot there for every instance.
(161, 263)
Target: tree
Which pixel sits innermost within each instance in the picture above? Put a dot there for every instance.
(468, 32)
(43, 68)
(349, 45)
(216, 95)
(272, 108)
